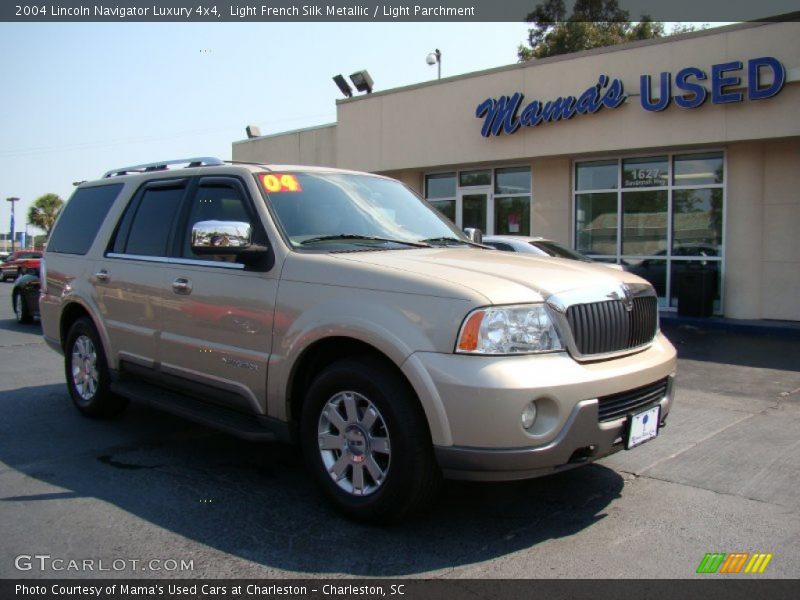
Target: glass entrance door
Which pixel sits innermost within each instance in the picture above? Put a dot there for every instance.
(475, 210)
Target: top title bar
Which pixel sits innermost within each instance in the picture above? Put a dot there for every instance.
(344, 10)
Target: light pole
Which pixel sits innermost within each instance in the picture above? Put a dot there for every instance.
(435, 58)
(13, 241)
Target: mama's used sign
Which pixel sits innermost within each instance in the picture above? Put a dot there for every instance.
(507, 114)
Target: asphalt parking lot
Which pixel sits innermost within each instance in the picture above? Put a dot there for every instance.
(721, 477)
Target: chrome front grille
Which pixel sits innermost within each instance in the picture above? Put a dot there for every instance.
(619, 405)
(608, 327)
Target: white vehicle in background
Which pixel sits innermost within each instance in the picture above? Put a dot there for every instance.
(538, 246)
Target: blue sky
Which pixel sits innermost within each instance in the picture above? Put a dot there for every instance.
(80, 99)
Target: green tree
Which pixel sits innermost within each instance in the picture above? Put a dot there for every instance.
(592, 24)
(44, 210)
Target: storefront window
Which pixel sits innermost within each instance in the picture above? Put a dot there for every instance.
(446, 207)
(441, 185)
(645, 172)
(516, 180)
(512, 216)
(698, 169)
(596, 223)
(655, 233)
(596, 175)
(697, 222)
(475, 178)
(644, 223)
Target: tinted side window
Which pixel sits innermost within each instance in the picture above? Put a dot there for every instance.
(152, 223)
(81, 219)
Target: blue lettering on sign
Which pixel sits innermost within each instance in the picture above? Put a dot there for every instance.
(691, 94)
(506, 114)
(754, 89)
(647, 96)
(501, 115)
(697, 93)
(719, 82)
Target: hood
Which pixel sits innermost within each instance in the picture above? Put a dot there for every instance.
(502, 277)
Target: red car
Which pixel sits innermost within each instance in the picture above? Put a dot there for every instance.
(19, 263)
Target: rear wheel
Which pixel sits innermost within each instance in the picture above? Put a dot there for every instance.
(21, 310)
(366, 442)
(87, 372)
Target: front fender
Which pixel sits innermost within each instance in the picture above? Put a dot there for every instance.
(397, 325)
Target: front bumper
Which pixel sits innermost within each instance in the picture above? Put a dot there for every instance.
(474, 406)
(582, 439)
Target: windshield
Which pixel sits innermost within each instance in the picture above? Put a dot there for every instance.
(319, 210)
(558, 251)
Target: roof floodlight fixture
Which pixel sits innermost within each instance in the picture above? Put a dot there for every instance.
(362, 81)
(344, 87)
(253, 132)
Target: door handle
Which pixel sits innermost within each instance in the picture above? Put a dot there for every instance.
(101, 275)
(182, 286)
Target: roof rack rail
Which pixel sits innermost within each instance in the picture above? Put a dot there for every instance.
(200, 161)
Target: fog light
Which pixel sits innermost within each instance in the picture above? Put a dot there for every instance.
(528, 415)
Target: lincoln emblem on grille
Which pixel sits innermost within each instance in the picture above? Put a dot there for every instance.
(627, 301)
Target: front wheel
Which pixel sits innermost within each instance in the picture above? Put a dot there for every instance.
(87, 374)
(367, 443)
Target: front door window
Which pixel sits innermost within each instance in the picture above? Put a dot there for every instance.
(474, 211)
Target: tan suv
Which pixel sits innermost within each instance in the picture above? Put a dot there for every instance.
(337, 310)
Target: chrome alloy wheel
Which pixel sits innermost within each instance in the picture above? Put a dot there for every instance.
(354, 443)
(84, 367)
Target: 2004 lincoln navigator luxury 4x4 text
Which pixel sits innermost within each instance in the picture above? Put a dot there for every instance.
(338, 311)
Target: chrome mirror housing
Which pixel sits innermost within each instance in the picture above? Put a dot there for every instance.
(474, 234)
(221, 237)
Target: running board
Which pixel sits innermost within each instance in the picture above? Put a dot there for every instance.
(244, 426)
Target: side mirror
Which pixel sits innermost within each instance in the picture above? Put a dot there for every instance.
(474, 234)
(221, 237)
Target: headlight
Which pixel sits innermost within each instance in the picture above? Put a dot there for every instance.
(522, 329)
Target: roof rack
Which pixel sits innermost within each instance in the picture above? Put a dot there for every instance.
(200, 161)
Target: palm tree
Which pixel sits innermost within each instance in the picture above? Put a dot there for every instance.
(44, 210)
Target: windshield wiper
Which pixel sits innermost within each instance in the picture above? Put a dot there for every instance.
(446, 241)
(355, 236)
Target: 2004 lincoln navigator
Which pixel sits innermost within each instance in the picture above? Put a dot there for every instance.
(339, 311)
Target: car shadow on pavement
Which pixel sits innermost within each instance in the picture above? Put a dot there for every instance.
(12, 325)
(746, 350)
(254, 501)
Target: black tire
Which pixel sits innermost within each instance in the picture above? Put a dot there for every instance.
(95, 401)
(21, 310)
(411, 478)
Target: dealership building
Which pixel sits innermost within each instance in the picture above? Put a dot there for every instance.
(678, 157)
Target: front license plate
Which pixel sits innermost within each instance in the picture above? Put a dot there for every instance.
(642, 427)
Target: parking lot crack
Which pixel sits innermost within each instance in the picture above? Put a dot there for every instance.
(718, 493)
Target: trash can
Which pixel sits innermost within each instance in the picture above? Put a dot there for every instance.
(696, 290)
